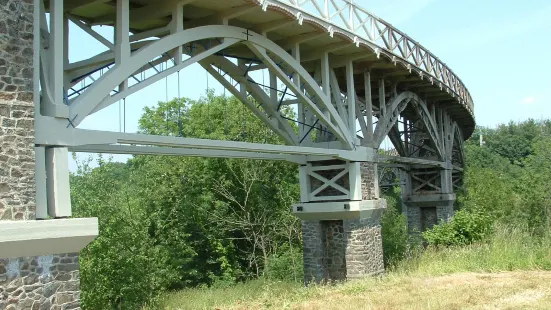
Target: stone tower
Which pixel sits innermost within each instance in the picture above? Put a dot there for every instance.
(29, 279)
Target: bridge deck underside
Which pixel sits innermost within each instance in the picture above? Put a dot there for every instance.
(283, 28)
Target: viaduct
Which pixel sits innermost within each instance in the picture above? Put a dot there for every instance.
(353, 79)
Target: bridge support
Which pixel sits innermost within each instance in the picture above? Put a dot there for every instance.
(30, 276)
(341, 212)
(427, 197)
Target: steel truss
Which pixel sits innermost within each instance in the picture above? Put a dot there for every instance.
(323, 88)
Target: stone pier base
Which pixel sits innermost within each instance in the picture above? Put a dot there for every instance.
(336, 250)
(421, 218)
(40, 282)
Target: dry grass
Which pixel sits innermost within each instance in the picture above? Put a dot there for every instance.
(507, 290)
(505, 272)
(510, 290)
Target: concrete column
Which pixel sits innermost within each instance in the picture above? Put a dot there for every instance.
(39, 282)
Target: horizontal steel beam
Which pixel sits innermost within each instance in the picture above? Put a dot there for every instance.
(409, 160)
(172, 151)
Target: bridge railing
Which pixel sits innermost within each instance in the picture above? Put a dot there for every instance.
(347, 15)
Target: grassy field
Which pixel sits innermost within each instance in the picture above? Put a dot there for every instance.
(507, 272)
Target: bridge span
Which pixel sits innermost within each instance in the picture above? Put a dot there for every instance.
(353, 79)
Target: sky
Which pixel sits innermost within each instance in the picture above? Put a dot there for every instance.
(498, 48)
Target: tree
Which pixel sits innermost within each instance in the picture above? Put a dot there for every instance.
(122, 268)
(239, 197)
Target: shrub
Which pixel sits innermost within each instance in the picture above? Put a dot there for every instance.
(285, 266)
(465, 228)
(394, 232)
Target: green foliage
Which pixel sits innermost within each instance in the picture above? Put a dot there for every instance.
(394, 230)
(122, 267)
(465, 228)
(169, 223)
(507, 248)
(285, 265)
(507, 182)
(514, 141)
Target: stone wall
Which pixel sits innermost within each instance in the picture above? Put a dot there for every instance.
(46, 282)
(370, 185)
(335, 259)
(428, 218)
(414, 219)
(421, 218)
(17, 184)
(445, 213)
(337, 250)
(313, 250)
(364, 249)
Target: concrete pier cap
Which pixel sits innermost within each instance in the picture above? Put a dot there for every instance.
(35, 238)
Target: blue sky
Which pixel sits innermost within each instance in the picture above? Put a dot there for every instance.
(498, 49)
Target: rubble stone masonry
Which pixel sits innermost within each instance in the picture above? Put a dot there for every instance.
(38, 283)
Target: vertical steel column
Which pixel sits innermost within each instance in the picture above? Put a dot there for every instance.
(57, 51)
(368, 107)
(122, 37)
(325, 83)
(295, 51)
(351, 99)
(57, 172)
(177, 26)
(56, 159)
(382, 97)
(273, 89)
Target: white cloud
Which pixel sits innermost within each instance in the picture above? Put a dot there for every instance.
(528, 100)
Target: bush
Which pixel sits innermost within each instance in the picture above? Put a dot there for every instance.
(465, 228)
(395, 233)
(285, 266)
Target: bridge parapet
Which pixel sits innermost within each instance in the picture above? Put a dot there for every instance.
(364, 28)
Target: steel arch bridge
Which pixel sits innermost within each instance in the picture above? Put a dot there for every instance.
(353, 79)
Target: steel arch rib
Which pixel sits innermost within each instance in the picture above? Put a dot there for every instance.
(340, 130)
(196, 58)
(397, 106)
(458, 140)
(88, 101)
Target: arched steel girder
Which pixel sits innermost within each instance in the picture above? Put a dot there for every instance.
(457, 152)
(319, 103)
(395, 107)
